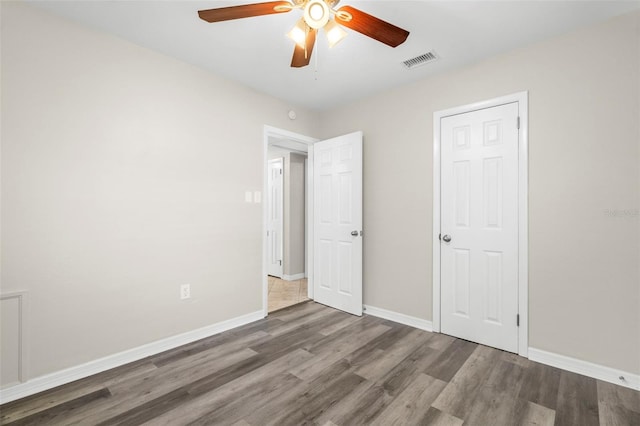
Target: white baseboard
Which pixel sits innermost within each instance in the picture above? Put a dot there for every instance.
(293, 277)
(90, 368)
(596, 371)
(420, 323)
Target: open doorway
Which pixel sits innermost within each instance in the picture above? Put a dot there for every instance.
(286, 225)
(287, 219)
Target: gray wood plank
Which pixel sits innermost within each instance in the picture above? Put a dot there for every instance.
(412, 404)
(393, 355)
(56, 414)
(497, 401)
(577, 400)
(451, 359)
(617, 414)
(398, 378)
(262, 393)
(335, 351)
(435, 417)
(611, 394)
(541, 385)
(340, 325)
(333, 384)
(207, 402)
(459, 396)
(536, 415)
(62, 394)
(369, 404)
(139, 393)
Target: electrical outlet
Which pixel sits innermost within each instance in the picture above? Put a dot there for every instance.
(185, 291)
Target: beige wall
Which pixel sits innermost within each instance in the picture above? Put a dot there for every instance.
(294, 214)
(117, 187)
(584, 279)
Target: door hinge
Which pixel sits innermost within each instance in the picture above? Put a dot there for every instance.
(518, 123)
(280, 262)
(518, 128)
(440, 237)
(518, 320)
(267, 233)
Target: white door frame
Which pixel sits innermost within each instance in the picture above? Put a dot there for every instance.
(274, 132)
(523, 172)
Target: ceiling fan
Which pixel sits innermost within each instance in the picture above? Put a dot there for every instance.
(317, 14)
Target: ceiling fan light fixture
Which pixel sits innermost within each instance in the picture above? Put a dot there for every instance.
(316, 13)
(298, 33)
(334, 33)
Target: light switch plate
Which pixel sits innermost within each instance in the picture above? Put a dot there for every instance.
(257, 197)
(248, 197)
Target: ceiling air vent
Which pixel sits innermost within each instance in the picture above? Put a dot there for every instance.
(420, 60)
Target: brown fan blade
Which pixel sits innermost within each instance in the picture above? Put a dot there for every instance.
(373, 27)
(242, 11)
(300, 57)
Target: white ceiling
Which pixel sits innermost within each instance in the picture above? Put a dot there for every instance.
(256, 52)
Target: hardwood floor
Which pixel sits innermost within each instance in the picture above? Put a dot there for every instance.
(310, 364)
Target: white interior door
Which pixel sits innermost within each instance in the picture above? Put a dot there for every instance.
(337, 180)
(275, 219)
(479, 226)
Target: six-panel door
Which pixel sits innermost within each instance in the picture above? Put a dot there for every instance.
(338, 222)
(479, 213)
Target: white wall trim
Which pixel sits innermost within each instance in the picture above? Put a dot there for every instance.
(415, 322)
(522, 98)
(274, 132)
(90, 368)
(596, 371)
(293, 277)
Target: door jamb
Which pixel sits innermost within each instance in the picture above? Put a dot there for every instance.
(274, 132)
(522, 98)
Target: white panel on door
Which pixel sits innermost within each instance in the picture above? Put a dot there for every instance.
(461, 265)
(346, 153)
(462, 138)
(325, 158)
(324, 266)
(326, 199)
(479, 225)
(493, 283)
(461, 182)
(492, 192)
(344, 184)
(338, 223)
(344, 267)
(492, 132)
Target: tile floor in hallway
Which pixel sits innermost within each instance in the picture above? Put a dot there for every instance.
(286, 293)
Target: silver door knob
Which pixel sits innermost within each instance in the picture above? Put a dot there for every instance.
(354, 233)
(446, 238)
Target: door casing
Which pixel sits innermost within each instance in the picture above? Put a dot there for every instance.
(523, 257)
(270, 133)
